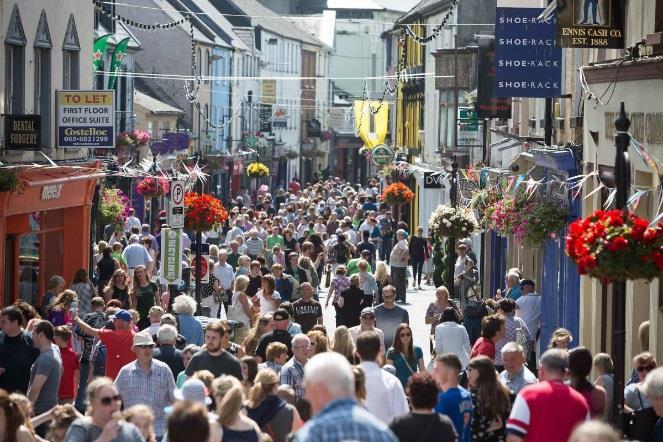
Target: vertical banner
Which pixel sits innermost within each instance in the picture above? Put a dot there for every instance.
(590, 24)
(488, 105)
(372, 128)
(171, 256)
(98, 51)
(116, 61)
(528, 62)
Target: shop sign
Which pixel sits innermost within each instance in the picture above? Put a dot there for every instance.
(204, 263)
(85, 119)
(176, 210)
(433, 180)
(528, 62)
(487, 104)
(22, 132)
(382, 155)
(590, 24)
(51, 192)
(279, 119)
(171, 255)
(341, 119)
(268, 91)
(313, 128)
(468, 128)
(265, 113)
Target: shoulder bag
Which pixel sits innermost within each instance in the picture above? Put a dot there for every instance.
(639, 425)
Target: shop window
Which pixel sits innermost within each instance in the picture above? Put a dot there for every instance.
(15, 65)
(29, 266)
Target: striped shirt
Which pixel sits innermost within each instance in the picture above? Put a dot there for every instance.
(154, 389)
(254, 246)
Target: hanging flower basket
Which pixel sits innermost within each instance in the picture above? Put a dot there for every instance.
(257, 170)
(397, 193)
(447, 221)
(483, 199)
(291, 154)
(504, 216)
(9, 180)
(203, 212)
(616, 246)
(113, 207)
(152, 187)
(542, 220)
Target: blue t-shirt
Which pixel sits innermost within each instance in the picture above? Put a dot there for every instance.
(456, 403)
(403, 372)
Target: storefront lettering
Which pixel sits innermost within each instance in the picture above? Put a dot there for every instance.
(51, 192)
(646, 127)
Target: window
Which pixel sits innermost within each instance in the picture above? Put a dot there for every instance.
(15, 65)
(447, 116)
(42, 84)
(199, 62)
(208, 63)
(70, 57)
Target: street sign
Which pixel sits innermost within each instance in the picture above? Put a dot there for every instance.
(433, 180)
(204, 263)
(382, 155)
(176, 211)
(468, 128)
(171, 255)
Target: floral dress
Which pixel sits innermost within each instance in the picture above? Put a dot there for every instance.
(339, 284)
(481, 425)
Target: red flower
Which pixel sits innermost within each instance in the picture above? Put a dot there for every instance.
(657, 257)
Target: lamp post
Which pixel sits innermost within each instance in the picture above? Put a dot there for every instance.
(622, 184)
(451, 249)
(199, 242)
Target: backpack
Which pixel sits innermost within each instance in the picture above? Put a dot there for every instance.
(342, 253)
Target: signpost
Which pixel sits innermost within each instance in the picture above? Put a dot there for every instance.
(528, 63)
(204, 264)
(176, 210)
(85, 119)
(171, 256)
(381, 155)
(22, 132)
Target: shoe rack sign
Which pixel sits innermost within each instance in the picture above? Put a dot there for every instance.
(590, 24)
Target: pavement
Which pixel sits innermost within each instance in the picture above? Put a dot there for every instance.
(417, 303)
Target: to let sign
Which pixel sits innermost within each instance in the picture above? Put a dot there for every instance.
(171, 255)
(590, 24)
(23, 132)
(85, 119)
(528, 62)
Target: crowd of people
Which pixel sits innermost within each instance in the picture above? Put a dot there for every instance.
(117, 356)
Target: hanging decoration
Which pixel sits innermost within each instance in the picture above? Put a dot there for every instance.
(397, 193)
(113, 207)
(454, 222)
(99, 4)
(257, 170)
(615, 246)
(116, 61)
(436, 30)
(153, 187)
(203, 212)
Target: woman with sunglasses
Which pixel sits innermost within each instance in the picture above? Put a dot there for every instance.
(404, 355)
(104, 418)
(636, 401)
(117, 288)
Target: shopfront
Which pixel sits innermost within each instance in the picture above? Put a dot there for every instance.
(45, 229)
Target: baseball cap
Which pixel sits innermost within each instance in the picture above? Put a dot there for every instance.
(122, 315)
(280, 314)
(162, 215)
(193, 390)
(143, 338)
(156, 310)
(367, 311)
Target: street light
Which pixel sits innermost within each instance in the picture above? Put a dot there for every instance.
(452, 168)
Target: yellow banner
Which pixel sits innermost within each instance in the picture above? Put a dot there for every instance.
(371, 128)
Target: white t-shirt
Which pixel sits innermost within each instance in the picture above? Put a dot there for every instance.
(268, 306)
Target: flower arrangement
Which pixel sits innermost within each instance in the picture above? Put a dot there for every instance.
(291, 154)
(504, 216)
(257, 170)
(397, 193)
(152, 187)
(113, 207)
(135, 137)
(616, 245)
(447, 221)
(484, 199)
(9, 180)
(202, 212)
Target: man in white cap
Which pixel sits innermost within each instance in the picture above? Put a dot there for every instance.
(367, 323)
(147, 381)
(135, 254)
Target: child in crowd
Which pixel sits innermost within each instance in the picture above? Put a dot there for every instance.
(70, 366)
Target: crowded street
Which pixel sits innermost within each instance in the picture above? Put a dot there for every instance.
(331, 221)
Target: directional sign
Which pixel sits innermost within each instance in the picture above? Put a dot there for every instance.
(176, 212)
(171, 255)
(382, 155)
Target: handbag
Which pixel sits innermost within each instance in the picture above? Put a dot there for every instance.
(639, 425)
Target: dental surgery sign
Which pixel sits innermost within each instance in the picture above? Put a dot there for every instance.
(85, 119)
(528, 62)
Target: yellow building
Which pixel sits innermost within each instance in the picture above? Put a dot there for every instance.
(154, 115)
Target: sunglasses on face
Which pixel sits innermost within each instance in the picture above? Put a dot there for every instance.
(145, 346)
(647, 368)
(106, 401)
(368, 317)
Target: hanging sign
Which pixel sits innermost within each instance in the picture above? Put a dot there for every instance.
(280, 120)
(590, 24)
(487, 104)
(468, 128)
(22, 132)
(171, 255)
(176, 211)
(85, 119)
(433, 180)
(382, 155)
(371, 127)
(528, 62)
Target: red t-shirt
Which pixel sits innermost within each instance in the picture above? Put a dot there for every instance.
(70, 364)
(547, 411)
(483, 347)
(118, 349)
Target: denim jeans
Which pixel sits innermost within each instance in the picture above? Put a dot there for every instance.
(98, 368)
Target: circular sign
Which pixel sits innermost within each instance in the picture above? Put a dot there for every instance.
(382, 155)
(177, 192)
(204, 266)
